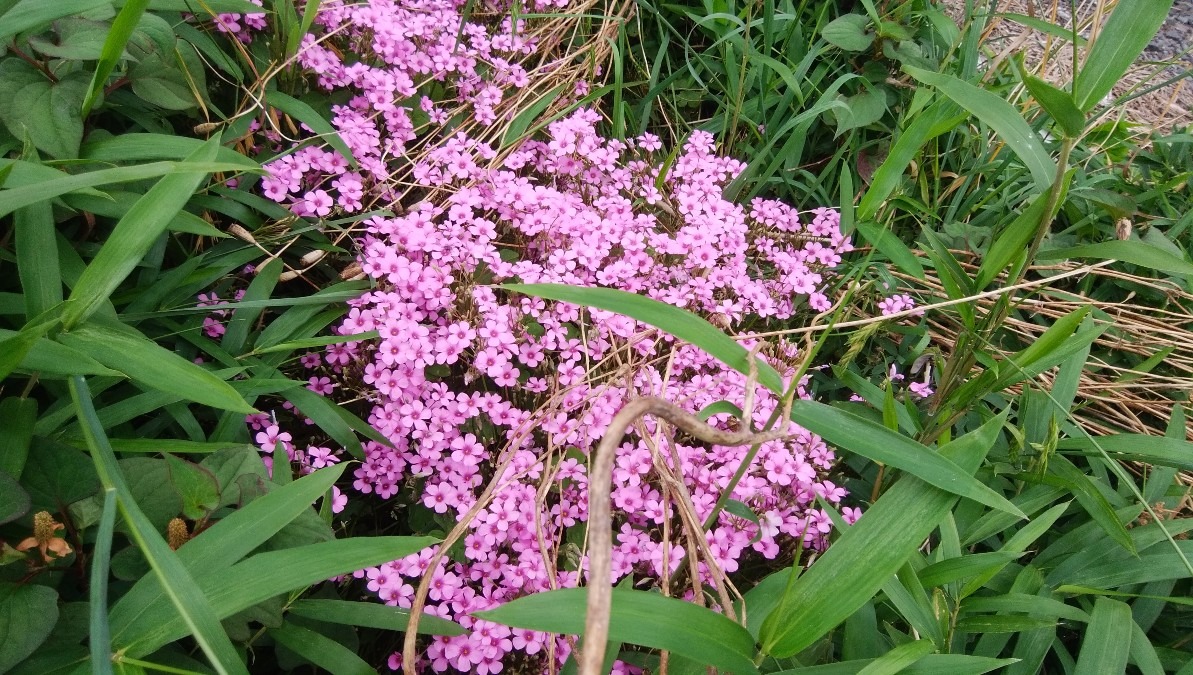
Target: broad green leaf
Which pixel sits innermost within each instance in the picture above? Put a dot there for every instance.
(57, 475)
(320, 650)
(17, 416)
(999, 115)
(307, 115)
(849, 32)
(1144, 569)
(956, 569)
(372, 615)
(37, 257)
(856, 566)
(133, 236)
(1130, 251)
(260, 288)
(52, 360)
(860, 110)
(673, 320)
(1035, 605)
(118, 203)
(1107, 641)
(899, 659)
(73, 39)
(892, 247)
(932, 664)
(30, 14)
(191, 605)
(1002, 623)
(1120, 41)
(38, 187)
(122, 28)
(262, 577)
(874, 441)
(640, 618)
(158, 80)
(148, 363)
(1084, 590)
(28, 613)
(196, 487)
(14, 501)
(49, 114)
(1017, 545)
(99, 637)
(1091, 499)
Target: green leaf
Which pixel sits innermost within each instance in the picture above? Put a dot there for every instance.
(58, 475)
(201, 7)
(1043, 26)
(14, 501)
(30, 14)
(1036, 605)
(1107, 641)
(145, 361)
(49, 359)
(99, 637)
(1091, 499)
(856, 566)
(17, 416)
(134, 235)
(113, 49)
(320, 650)
(849, 32)
(37, 257)
(39, 187)
(999, 115)
(307, 343)
(1130, 251)
(874, 441)
(190, 603)
(196, 487)
(673, 320)
(529, 115)
(956, 569)
(932, 664)
(899, 659)
(49, 114)
(78, 39)
(892, 247)
(1059, 104)
(260, 288)
(1000, 623)
(1121, 40)
(15, 347)
(158, 80)
(28, 613)
(153, 147)
(640, 618)
(259, 578)
(1156, 450)
(372, 615)
(1012, 242)
(860, 110)
(307, 115)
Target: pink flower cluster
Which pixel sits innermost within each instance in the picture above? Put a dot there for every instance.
(468, 377)
(384, 53)
(895, 304)
(242, 26)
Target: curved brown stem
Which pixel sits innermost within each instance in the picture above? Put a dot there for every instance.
(600, 519)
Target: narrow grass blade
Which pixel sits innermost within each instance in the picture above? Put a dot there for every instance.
(372, 615)
(1023, 603)
(324, 652)
(1107, 642)
(892, 247)
(678, 322)
(32, 14)
(307, 343)
(1000, 116)
(956, 569)
(899, 659)
(148, 147)
(1131, 251)
(187, 600)
(641, 618)
(118, 34)
(307, 115)
(100, 638)
(1043, 26)
(1012, 242)
(260, 288)
(852, 570)
(874, 441)
(150, 364)
(37, 257)
(1156, 450)
(133, 236)
(937, 119)
(1091, 500)
(264, 576)
(1122, 39)
(932, 664)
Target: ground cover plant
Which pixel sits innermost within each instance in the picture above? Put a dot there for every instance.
(328, 327)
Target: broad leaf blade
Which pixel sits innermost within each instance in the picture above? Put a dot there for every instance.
(1127, 32)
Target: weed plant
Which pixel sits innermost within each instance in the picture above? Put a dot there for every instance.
(309, 305)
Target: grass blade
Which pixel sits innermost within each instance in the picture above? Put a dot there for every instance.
(100, 638)
(190, 603)
(1127, 32)
(678, 322)
(320, 650)
(641, 618)
(899, 659)
(999, 115)
(1107, 642)
(307, 115)
(118, 34)
(857, 565)
(37, 257)
(1130, 251)
(134, 235)
(372, 615)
